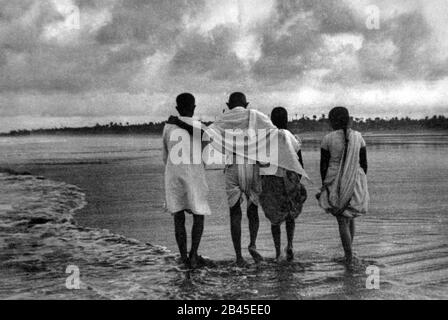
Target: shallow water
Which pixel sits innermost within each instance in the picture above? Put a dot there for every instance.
(405, 234)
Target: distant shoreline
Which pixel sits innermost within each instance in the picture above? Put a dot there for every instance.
(303, 125)
(378, 132)
(86, 134)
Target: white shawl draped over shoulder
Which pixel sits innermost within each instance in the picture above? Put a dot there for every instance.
(347, 193)
(251, 136)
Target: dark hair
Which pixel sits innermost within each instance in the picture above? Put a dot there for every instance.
(185, 103)
(340, 120)
(237, 99)
(279, 117)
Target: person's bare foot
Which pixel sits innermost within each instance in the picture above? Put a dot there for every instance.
(255, 255)
(349, 261)
(279, 258)
(278, 253)
(184, 261)
(206, 262)
(186, 264)
(194, 261)
(240, 262)
(289, 254)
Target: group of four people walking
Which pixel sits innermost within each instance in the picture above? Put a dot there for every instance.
(272, 184)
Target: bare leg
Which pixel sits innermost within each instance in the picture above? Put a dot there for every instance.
(276, 235)
(235, 229)
(196, 235)
(254, 224)
(346, 238)
(290, 229)
(181, 235)
(352, 229)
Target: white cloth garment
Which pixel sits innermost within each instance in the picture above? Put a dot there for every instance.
(226, 134)
(296, 144)
(242, 179)
(345, 187)
(185, 183)
(251, 136)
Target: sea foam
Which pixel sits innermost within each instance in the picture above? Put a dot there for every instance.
(39, 240)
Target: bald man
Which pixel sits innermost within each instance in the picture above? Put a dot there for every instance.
(242, 179)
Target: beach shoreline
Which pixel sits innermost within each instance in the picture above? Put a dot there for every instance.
(40, 240)
(116, 267)
(122, 179)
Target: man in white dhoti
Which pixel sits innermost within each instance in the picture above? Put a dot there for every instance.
(241, 179)
(186, 188)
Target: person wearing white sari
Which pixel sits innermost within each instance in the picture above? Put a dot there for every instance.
(344, 192)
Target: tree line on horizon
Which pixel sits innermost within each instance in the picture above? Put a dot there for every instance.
(304, 124)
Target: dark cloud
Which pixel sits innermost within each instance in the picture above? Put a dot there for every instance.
(89, 4)
(332, 16)
(412, 34)
(209, 55)
(291, 43)
(157, 22)
(17, 35)
(108, 58)
(286, 56)
(402, 49)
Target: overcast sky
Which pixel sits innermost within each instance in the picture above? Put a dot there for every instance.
(126, 60)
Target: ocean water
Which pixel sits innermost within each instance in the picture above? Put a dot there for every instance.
(98, 203)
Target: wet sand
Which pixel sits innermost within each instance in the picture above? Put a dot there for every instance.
(405, 234)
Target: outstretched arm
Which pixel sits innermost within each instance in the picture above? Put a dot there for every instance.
(176, 121)
(324, 163)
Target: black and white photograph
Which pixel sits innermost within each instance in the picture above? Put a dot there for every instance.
(223, 150)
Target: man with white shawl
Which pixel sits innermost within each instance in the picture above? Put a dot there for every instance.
(249, 139)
